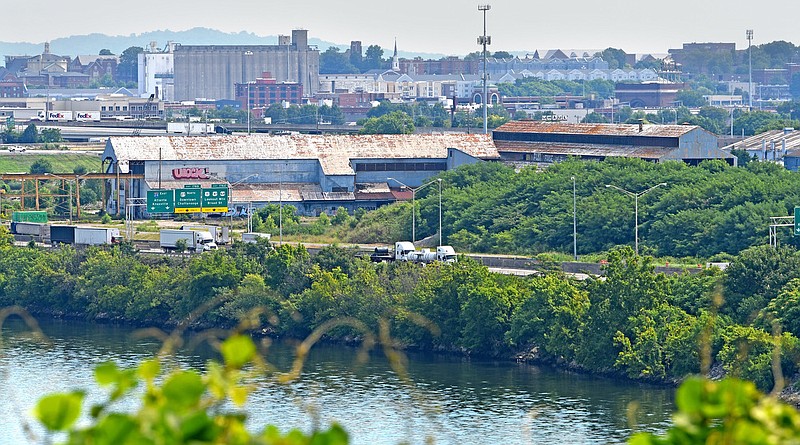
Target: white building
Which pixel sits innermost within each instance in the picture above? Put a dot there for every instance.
(156, 72)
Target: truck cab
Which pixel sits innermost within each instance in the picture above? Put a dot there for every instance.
(446, 254)
(404, 250)
(206, 240)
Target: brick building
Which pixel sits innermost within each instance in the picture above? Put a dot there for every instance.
(266, 90)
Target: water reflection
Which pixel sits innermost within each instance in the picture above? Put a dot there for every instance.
(451, 399)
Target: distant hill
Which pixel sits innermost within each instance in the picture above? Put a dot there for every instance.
(93, 43)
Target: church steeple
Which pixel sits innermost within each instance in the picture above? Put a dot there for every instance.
(395, 59)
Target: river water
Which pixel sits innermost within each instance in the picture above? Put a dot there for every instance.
(449, 399)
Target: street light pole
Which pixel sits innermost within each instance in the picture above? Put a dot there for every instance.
(636, 208)
(440, 210)
(574, 224)
(485, 40)
(414, 207)
(749, 34)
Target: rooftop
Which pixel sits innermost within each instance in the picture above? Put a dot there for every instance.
(758, 142)
(334, 152)
(530, 126)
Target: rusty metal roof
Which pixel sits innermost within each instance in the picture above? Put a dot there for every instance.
(597, 150)
(334, 152)
(530, 126)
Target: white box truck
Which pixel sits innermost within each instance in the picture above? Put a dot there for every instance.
(222, 235)
(196, 241)
(96, 236)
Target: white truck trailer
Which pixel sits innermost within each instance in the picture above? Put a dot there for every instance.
(196, 241)
(253, 237)
(189, 128)
(222, 235)
(96, 236)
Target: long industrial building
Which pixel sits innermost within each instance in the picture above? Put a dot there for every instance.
(315, 173)
(211, 71)
(535, 142)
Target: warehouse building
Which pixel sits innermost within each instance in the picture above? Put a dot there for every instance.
(534, 142)
(315, 173)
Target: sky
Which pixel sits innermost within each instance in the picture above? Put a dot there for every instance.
(434, 26)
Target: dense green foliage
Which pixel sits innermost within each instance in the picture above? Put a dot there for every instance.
(533, 86)
(30, 135)
(730, 411)
(634, 323)
(702, 212)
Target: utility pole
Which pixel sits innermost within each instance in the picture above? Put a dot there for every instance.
(750, 76)
(485, 40)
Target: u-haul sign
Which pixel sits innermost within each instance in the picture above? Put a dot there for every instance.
(86, 116)
(60, 116)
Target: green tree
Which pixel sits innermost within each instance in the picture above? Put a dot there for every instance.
(49, 135)
(41, 166)
(692, 98)
(615, 57)
(105, 52)
(30, 135)
(396, 122)
(794, 88)
(595, 118)
(754, 279)
(373, 58)
(550, 317)
(727, 411)
(128, 67)
(334, 62)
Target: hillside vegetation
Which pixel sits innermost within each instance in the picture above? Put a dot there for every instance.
(712, 210)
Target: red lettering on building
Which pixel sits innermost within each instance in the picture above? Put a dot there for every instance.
(190, 173)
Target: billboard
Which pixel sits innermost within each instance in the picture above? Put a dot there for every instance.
(190, 199)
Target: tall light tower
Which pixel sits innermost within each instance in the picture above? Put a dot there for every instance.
(485, 40)
(750, 76)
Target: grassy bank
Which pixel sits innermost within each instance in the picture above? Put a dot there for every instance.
(61, 162)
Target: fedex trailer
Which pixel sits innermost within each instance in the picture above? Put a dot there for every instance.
(87, 116)
(59, 116)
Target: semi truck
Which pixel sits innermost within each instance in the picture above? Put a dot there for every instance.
(406, 251)
(196, 241)
(222, 235)
(84, 236)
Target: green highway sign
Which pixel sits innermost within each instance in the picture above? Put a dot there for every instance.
(192, 186)
(215, 199)
(797, 221)
(160, 201)
(188, 200)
